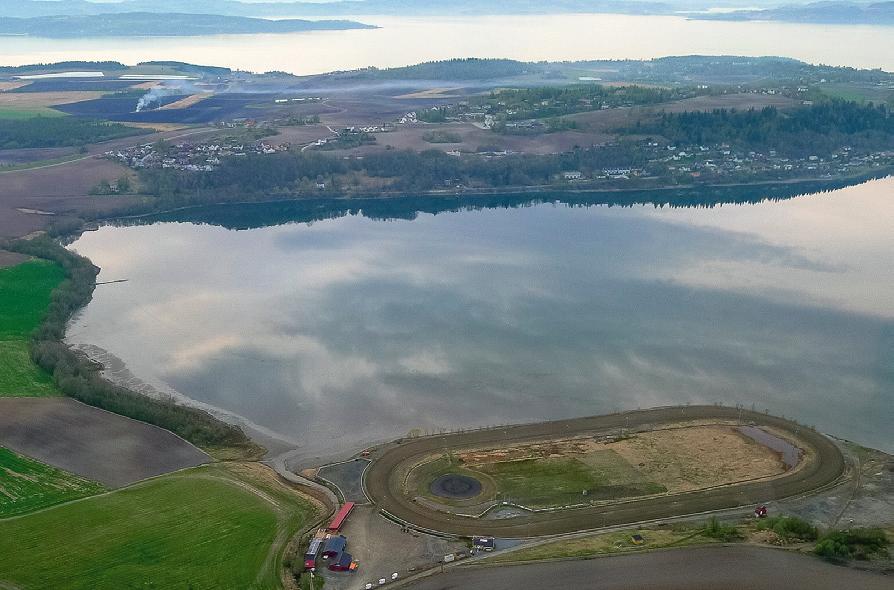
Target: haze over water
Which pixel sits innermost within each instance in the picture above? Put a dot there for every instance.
(351, 330)
(403, 41)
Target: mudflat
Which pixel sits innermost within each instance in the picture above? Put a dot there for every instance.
(92, 443)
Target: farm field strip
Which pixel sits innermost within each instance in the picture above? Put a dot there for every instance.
(217, 526)
(27, 485)
(24, 296)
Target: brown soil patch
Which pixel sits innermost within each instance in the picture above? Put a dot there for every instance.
(545, 450)
(159, 126)
(185, 102)
(681, 459)
(8, 259)
(684, 459)
(430, 93)
(45, 99)
(4, 86)
(98, 445)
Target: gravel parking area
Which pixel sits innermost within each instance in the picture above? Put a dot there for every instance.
(382, 548)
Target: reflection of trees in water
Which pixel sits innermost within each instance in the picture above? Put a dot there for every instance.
(256, 215)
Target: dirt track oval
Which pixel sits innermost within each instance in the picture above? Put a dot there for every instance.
(824, 464)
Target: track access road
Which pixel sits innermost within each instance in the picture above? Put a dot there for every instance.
(824, 464)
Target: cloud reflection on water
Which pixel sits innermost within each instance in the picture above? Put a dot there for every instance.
(351, 330)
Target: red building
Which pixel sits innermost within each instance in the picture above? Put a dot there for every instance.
(340, 517)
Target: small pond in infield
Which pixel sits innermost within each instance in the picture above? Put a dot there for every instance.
(334, 325)
(455, 486)
(790, 453)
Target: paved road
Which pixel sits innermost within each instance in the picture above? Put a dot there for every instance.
(703, 568)
(384, 478)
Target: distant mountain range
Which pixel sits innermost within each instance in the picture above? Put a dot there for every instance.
(878, 13)
(32, 8)
(145, 24)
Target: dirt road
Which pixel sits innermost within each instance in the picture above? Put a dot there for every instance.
(384, 477)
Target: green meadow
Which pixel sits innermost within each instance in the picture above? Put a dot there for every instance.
(210, 527)
(27, 485)
(24, 296)
(28, 113)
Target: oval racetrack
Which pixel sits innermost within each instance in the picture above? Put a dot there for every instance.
(384, 478)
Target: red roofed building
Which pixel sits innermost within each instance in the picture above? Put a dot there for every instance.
(340, 517)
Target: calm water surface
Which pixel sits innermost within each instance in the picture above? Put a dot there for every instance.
(351, 330)
(402, 41)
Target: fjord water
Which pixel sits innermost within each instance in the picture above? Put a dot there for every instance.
(405, 40)
(350, 330)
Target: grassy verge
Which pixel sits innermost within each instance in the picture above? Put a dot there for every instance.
(27, 485)
(608, 544)
(25, 291)
(210, 527)
(40, 163)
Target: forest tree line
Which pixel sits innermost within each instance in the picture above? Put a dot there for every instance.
(45, 132)
(813, 130)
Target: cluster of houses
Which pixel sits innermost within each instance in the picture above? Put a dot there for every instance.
(723, 160)
(331, 547)
(718, 161)
(190, 156)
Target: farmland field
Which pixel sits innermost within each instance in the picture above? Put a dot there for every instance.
(17, 113)
(90, 442)
(211, 527)
(27, 485)
(24, 296)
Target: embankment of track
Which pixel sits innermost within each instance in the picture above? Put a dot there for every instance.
(823, 465)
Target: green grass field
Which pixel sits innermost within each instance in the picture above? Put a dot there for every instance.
(558, 481)
(209, 527)
(19, 113)
(562, 481)
(27, 485)
(24, 296)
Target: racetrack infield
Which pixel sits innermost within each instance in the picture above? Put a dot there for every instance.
(824, 464)
(700, 568)
(92, 443)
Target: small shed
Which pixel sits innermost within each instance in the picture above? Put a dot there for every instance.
(334, 547)
(344, 563)
(310, 558)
